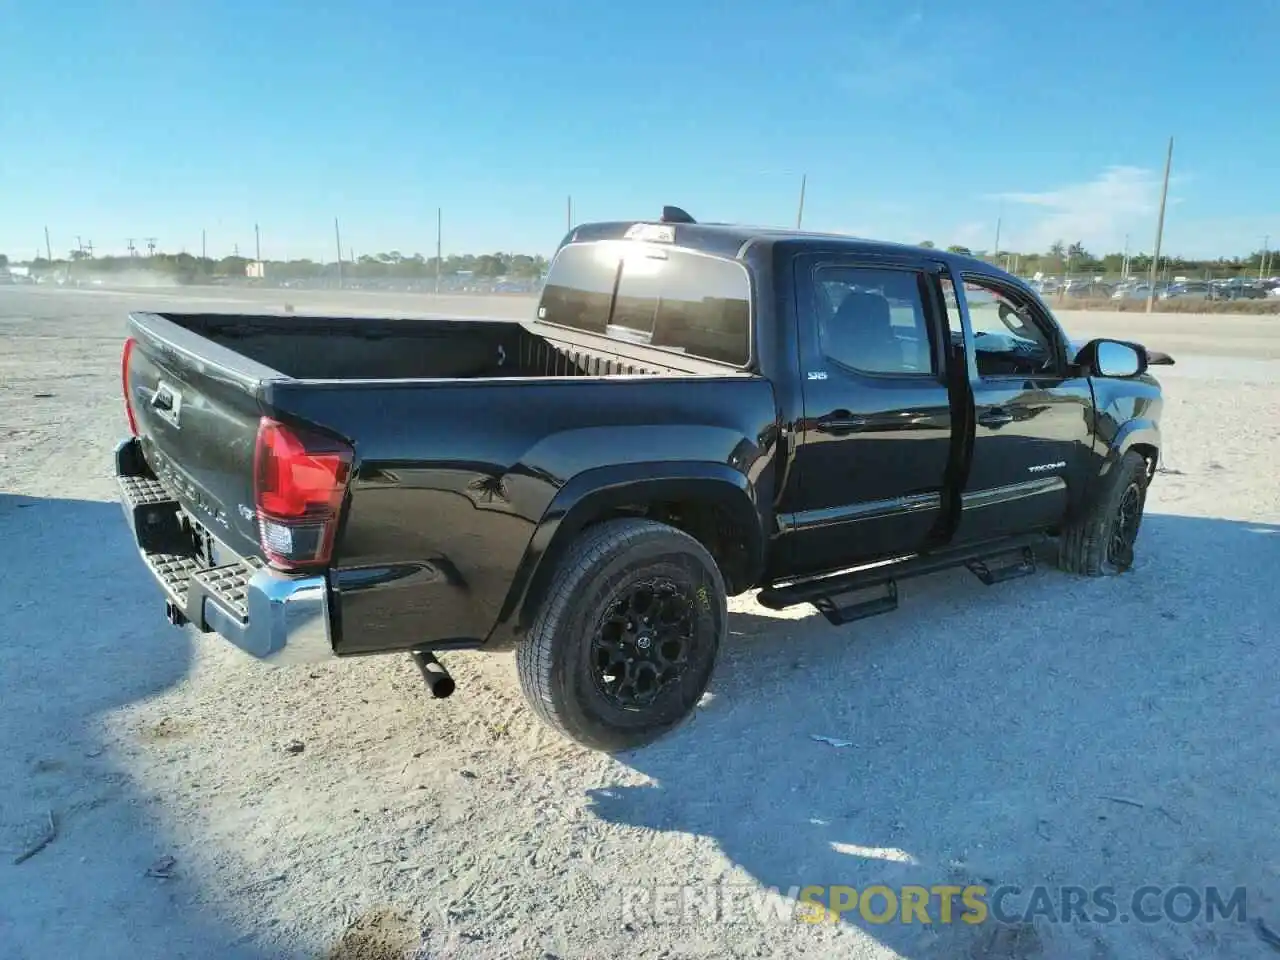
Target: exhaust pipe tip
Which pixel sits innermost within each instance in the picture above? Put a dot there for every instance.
(434, 675)
(442, 686)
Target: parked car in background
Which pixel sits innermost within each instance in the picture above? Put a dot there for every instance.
(1236, 288)
(1089, 289)
(1136, 291)
(1186, 290)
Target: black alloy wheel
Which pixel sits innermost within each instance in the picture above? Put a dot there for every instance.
(644, 643)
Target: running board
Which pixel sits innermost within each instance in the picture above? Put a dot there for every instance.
(991, 562)
(838, 610)
(1020, 564)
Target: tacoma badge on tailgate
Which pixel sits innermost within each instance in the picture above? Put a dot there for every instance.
(190, 493)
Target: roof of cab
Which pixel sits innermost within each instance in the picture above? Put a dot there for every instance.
(731, 240)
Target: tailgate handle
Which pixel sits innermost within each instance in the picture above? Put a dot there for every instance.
(167, 403)
(163, 398)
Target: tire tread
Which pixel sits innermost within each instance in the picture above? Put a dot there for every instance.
(1082, 546)
(535, 656)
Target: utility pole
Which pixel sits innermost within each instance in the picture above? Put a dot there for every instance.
(203, 247)
(133, 251)
(804, 182)
(257, 244)
(151, 245)
(1124, 263)
(569, 213)
(48, 249)
(439, 244)
(995, 253)
(337, 236)
(1164, 195)
(1262, 265)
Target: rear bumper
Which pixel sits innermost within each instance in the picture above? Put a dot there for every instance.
(269, 615)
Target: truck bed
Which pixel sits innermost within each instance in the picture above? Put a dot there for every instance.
(395, 389)
(361, 348)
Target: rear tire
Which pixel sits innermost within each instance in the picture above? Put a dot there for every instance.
(1101, 543)
(625, 641)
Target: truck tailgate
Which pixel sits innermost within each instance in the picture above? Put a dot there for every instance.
(196, 409)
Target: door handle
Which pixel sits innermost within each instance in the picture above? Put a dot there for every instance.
(842, 421)
(996, 418)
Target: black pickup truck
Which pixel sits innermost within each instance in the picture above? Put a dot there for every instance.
(695, 411)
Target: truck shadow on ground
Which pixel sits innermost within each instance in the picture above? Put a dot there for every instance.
(1048, 730)
(80, 638)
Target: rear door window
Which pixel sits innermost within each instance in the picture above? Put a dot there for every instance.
(655, 295)
(873, 320)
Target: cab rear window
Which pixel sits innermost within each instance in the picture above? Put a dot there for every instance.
(652, 294)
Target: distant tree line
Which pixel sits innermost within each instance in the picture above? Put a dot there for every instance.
(1062, 258)
(185, 268)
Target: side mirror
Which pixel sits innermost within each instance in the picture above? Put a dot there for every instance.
(1112, 358)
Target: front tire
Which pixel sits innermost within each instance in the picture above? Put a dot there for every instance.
(1101, 543)
(626, 639)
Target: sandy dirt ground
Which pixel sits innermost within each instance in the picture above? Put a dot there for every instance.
(1050, 730)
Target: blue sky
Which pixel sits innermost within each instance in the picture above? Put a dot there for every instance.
(925, 120)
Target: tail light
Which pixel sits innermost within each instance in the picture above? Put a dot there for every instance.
(124, 383)
(300, 478)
